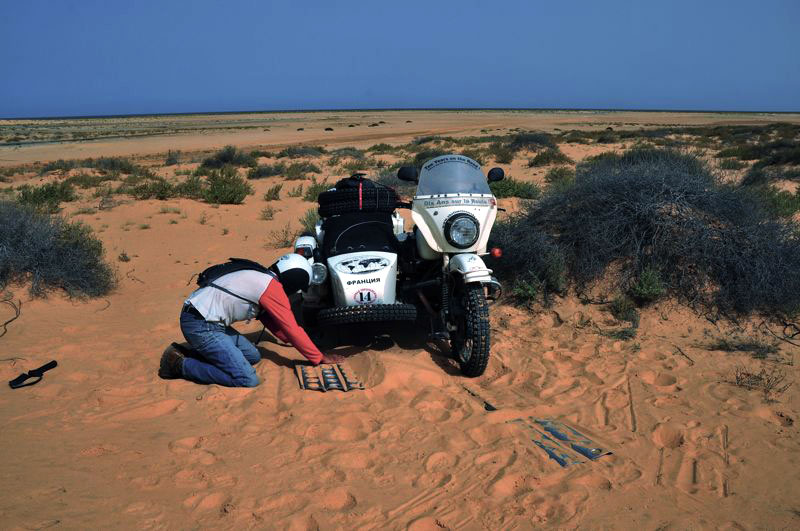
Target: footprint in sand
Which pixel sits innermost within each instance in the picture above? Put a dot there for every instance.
(338, 499)
(438, 461)
(661, 380)
(668, 435)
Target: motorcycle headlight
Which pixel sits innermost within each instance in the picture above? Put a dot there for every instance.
(462, 230)
(319, 273)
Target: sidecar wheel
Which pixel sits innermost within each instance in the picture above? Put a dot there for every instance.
(373, 313)
(471, 342)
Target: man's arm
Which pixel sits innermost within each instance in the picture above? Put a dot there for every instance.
(272, 326)
(277, 305)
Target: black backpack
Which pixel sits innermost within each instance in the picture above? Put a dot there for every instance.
(210, 274)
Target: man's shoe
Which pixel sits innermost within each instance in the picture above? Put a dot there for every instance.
(171, 363)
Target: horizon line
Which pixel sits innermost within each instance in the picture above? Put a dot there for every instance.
(394, 109)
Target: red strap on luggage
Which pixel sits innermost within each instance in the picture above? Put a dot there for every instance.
(360, 184)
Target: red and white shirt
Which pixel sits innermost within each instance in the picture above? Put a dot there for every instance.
(219, 307)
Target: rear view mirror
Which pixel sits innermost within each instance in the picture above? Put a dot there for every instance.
(408, 173)
(496, 174)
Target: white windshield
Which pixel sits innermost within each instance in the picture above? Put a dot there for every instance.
(452, 174)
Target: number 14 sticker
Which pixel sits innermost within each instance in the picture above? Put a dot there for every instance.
(365, 296)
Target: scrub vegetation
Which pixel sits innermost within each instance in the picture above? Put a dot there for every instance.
(656, 222)
(51, 254)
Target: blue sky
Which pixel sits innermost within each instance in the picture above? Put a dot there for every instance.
(65, 57)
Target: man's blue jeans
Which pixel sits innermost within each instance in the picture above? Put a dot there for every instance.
(226, 357)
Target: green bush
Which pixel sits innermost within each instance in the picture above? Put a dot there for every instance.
(502, 154)
(314, 189)
(158, 188)
(107, 164)
(713, 246)
(549, 156)
(191, 188)
(560, 177)
(47, 197)
(297, 170)
(382, 148)
(266, 170)
(510, 187)
(294, 152)
(779, 202)
(228, 156)
(730, 164)
(309, 221)
(226, 187)
(296, 191)
(84, 180)
(624, 309)
(648, 287)
(51, 253)
(273, 193)
(530, 141)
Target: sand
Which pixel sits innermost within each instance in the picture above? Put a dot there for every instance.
(102, 442)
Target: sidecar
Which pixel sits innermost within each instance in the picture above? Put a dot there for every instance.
(354, 255)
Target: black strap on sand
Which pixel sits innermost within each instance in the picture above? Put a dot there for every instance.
(21, 380)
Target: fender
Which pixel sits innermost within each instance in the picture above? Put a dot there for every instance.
(471, 267)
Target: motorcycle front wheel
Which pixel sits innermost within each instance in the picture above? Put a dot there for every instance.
(470, 343)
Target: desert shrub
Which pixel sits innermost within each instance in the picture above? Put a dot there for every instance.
(606, 137)
(648, 287)
(158, 188)
(308, 222)
(294, 152)
(173, 158)
(357, 165)
(297, 191)
(314, 189)
(256, 153)
(714, 246)
(530, 141)
(501, 153)
(779, 202)
(350, 152)
(266, 170)
(108, 164)
(298, 170)
(191, 188)
(226, 187)
(228, 156)
(273, 193)
(382, 148)
(624, 309)
(760, 175)
(47, 197)
(51, 253)
(730, 164)
(549, 156)
(84, 180)
(281, 238)
(560, 177)
(267, 214)
(532, 263)
(510, 187)
(113, 164)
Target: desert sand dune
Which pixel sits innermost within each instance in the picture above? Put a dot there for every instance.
(103, 443)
